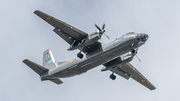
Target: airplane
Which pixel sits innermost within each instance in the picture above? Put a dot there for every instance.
(114, 56)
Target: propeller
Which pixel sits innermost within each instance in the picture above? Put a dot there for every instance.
(101, 31)
(107, 36)
(138, 58)
(135, 53)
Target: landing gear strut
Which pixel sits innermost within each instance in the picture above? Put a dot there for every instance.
(112, 76)
(80, 55)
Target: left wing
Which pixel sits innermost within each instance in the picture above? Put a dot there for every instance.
(67, 32)
(64, 30)
(130, 71)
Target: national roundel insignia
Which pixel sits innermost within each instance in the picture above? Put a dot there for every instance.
(71, 61)
(48, 18)
(143, 80)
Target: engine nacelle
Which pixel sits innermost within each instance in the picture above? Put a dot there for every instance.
(86, 41)
(125, 58)
(92, 38)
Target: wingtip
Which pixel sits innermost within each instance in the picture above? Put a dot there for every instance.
(24, 60)
(36, 11)
(153, 88)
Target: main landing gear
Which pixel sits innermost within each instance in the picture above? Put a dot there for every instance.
(80, 55)
(112, 76)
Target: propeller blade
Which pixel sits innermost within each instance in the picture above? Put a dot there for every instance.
(103, 26)
(102, 30)
(107, 36)
(138, 58)
(98, 27)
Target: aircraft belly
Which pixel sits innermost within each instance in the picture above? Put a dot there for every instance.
(64, 73)
(81, 69)
(116, 52)
(91, 65)
(79, 66)
(101, 58)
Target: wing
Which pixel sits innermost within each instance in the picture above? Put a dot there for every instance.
(64, 30)
(130, 71)
(67, 32)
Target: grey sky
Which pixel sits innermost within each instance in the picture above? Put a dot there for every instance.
(24, 35)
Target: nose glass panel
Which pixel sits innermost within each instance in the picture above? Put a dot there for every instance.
(142, 37)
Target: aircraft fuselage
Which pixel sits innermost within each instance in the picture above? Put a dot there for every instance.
(105, 53)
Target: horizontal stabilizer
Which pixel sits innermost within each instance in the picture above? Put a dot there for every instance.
(35, 67)
(40, 70)
(57, 81)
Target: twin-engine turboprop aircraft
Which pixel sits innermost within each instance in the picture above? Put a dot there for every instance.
(114, 56)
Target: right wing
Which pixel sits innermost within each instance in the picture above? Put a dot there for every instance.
(128, 71)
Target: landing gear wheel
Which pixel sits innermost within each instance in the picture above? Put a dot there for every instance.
(113, 77)
(79, 55)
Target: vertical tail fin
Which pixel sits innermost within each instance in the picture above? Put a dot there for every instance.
(48, 59)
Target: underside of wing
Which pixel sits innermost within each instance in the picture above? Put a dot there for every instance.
(130, 71)
(76, 38)
(64, 30)
(122, 73)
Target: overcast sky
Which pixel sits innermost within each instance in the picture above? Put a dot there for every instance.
(24, 35)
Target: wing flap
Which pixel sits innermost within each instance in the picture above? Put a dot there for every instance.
(122, 73)
(35, 67)
(64, 36)
(136, 75)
